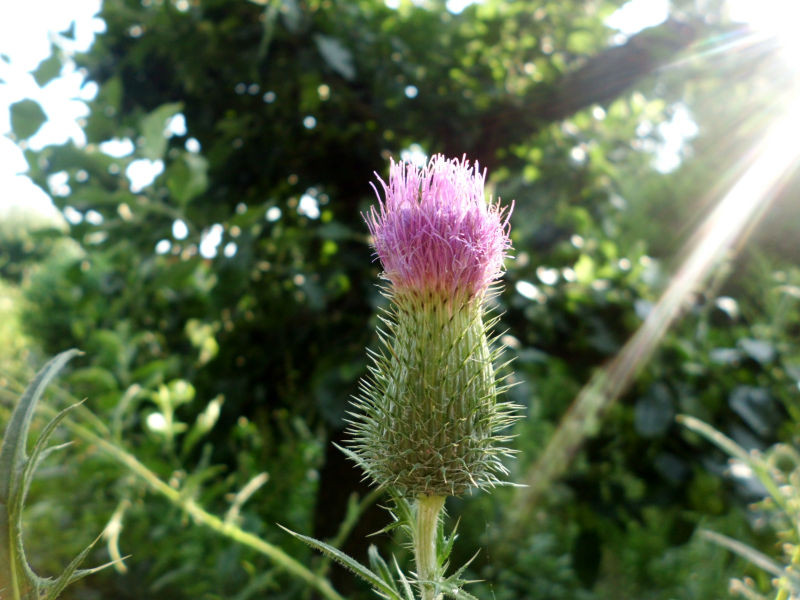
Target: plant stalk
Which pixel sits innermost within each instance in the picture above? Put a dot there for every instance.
(203, 517)
(783, 593)
(425, 536)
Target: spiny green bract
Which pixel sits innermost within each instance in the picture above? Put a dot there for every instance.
(428, 420)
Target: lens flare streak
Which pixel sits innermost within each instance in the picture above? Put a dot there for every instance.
(730, 222)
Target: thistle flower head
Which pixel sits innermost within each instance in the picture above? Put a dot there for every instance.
(434, 231)
(428, 421)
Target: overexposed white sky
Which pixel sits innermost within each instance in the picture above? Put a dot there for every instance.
(28, 27)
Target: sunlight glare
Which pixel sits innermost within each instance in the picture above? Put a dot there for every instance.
(764, 170)
(772, 18)
(635, 15)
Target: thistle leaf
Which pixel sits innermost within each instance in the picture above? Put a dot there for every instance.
(40, 451)
(349, 563)
(403, 580)
(15, 472)
(12, 452)
(72, 573)
(380, 567)
(445, 544)
(453, 585)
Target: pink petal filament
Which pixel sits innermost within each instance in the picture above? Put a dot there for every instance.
(434, 231)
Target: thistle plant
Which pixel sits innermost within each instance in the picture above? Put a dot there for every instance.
(778, 471)
(428, 422)
(18, 581)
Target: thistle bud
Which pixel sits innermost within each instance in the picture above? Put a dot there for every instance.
(428, 420)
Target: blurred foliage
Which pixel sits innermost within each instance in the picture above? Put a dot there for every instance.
(776, 472)
(225, 306)
(27, 239)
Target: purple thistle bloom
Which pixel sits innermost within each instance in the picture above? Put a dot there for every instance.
(435, 233)
(428, 421)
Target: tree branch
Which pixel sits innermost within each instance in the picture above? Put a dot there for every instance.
(603, 78)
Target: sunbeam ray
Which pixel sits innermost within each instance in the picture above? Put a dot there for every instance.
(771, 162)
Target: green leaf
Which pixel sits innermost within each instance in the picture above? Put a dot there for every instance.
(752, 459)
(111, 92)
(93, 379)
(49, 68)
(101, 124)
(455, 576)
(12, 452)
(403, 580)
(654, 412)
(455, 591)
(445, 543)
(72, 574)
(204, 423)
(349, 563)
(338, 57)
(760, 351)
(26, 118)
(292, 15)
(580, 42)
(187, 177)
(154, 138)
(584, 269)
(403, 508)
(40, 451)
(453, 585)
(69, 32)
(15, 471)
(380, 567)
(747, 552)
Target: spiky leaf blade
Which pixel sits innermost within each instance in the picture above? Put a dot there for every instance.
(349, 563)
(72, 573)
(380, 568)
(12, 452)
(403, 580)
(14, 570)
(41, 451)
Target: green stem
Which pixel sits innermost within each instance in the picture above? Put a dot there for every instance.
(425, 535)
(15, 568)
(203, 517)
(783, 593)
